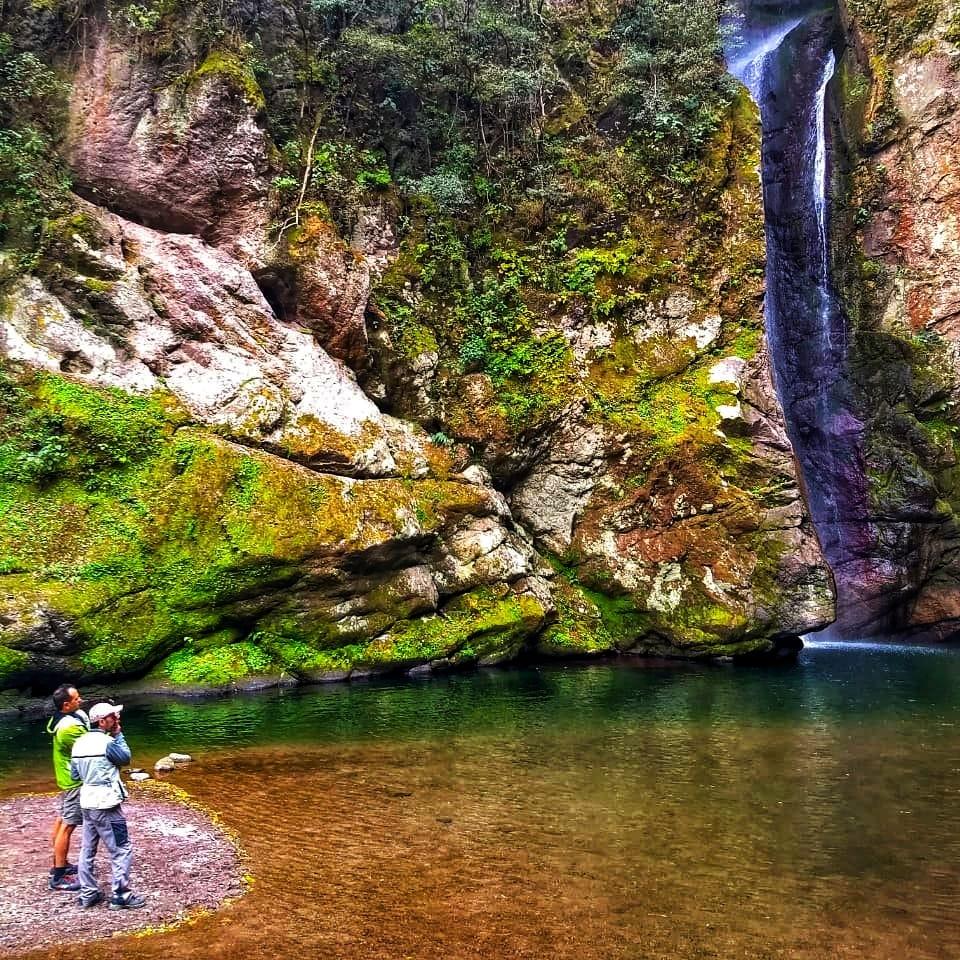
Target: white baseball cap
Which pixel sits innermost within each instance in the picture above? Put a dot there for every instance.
(101, 710)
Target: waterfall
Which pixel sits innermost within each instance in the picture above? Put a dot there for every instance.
(820, 197)
(748, 66)
(784, 56)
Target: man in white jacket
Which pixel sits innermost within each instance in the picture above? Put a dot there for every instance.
(96, 760)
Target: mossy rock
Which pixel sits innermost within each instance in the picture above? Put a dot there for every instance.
(225, 66)
(141, 532)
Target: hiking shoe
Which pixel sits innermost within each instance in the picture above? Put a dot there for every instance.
(70, 870)
(92, 902)
(128, 900)
(66, 883)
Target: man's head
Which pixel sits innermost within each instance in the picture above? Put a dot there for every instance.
(106, 716)
(66, 698)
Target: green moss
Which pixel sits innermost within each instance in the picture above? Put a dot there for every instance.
(480, 626)
(895, 26)
(95, 285)
(952, 32)
(580, 628)
(218, 667)
(667, 412)
(54, 427)
(11, 663)
(227, 66)
(175, 532)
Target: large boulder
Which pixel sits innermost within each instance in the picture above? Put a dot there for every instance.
(135, 541)
(127, 306)
(182, 153)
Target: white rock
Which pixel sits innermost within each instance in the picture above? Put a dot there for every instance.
(728, 370)
(180, 757)
(164, 765)
(200, 326)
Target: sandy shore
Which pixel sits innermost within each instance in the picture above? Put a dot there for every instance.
(184, 864)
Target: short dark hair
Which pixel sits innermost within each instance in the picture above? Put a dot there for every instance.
(62, 694)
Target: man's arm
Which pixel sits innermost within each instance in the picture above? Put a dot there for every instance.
(118, 753)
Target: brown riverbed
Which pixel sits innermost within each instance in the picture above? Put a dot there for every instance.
(499, 849)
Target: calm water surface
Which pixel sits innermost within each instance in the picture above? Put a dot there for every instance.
(581, 812)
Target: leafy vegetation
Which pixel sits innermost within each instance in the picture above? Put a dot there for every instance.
(33, 181)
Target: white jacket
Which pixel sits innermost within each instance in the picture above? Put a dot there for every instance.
(96, 760)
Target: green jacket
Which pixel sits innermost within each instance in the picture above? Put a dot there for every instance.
(65, 729)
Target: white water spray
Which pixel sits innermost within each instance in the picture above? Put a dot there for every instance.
(748, 66)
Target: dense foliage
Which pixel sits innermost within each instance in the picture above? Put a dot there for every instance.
(454, 101)
(33, 182)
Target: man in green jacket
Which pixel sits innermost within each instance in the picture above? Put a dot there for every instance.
(66, 726)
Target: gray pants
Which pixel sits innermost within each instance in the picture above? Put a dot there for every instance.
(110, 826)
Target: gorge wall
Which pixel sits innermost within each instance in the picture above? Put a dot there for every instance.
(895, 261)
(348, 337)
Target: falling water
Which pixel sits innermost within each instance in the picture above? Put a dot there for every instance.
(820, 198)
(748, 66)
(784, 56)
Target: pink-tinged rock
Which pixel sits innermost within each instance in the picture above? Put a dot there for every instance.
(187, 156)
(191, 318)
(332, 288)
(906, 580)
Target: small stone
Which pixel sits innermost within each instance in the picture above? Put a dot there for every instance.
(164, 765)
(180, 757)
(140, 775)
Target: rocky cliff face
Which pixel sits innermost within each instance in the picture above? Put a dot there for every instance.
(287, 394)
(898, 255)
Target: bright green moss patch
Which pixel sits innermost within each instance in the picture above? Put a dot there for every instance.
(227, 66)
(218, 667)
(579, 629)
(53, 427)
(485, 625)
